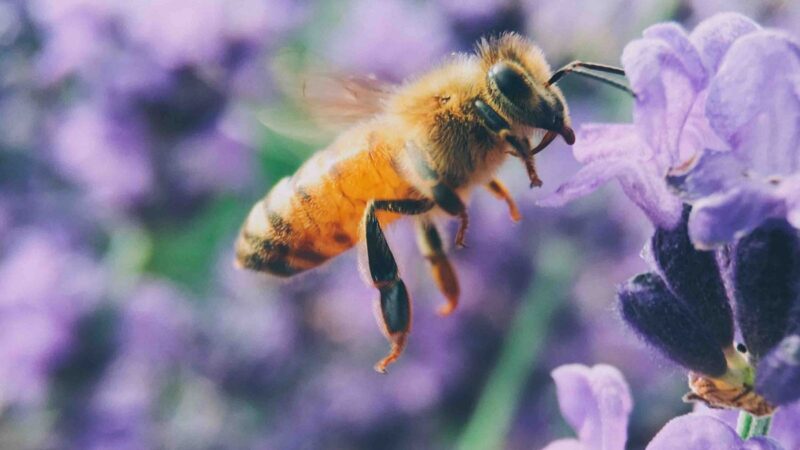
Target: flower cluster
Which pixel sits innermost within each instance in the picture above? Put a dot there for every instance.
(596, 402)
(716, 124)
(683, 309)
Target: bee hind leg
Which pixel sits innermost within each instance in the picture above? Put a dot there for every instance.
(394, 313)
(430, 244)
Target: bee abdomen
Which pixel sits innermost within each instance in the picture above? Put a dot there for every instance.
(279, 237)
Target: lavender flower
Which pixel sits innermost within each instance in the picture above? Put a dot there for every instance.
(784, 423)
(155, 327)
(108, 157)
(375, 38)
(694, 431)
(716, 119)
(695, 329)
(146, 88)
(40, 309)
(596, 402)
(667, 323)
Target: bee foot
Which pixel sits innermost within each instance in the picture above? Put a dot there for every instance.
(446, 309)
(398, 345)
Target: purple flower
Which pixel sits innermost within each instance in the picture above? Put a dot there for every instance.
(473, 11)
(378, 37)
(155, 327)
(684, 310)
(107, 157)
(596, 402)
(716, 122)
(695, 431)
(46, 287)
(783, 428)
(546, 18)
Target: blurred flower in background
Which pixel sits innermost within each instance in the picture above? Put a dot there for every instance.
(130, 151)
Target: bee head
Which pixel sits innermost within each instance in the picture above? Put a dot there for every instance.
(517, 88)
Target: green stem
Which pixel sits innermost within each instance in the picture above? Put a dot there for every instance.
(743, 424)
(760, 426)
(751, 426)
(491, 420)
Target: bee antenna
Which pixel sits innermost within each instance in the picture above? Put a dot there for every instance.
(583, 69)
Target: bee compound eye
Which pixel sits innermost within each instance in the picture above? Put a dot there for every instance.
(510, 81)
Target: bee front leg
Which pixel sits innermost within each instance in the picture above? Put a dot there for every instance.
(430, 245)
(394, 304)
(499, 190)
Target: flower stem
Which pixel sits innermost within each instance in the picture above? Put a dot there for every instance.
(494, 413)
(750, 426)
(760, 426)
(744, 424)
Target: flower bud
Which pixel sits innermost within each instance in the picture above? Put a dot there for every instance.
(766, 276)
(694, 277)
(667, 324)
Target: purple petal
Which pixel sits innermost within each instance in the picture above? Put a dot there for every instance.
(761, 443)
(666, 91)
(651, 193)
(753, 102)
(599, 141)
(588, 179)
(696, 136)
(676, 37)
(724, 217)
(640, 181)
(789, 189)
(778, 377)
(566, 444)
(711, 174)
(714, 36)
(596, 402)
(695, 432)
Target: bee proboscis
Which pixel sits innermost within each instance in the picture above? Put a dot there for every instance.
(417, 149)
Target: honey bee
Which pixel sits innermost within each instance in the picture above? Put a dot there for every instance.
(417, 149)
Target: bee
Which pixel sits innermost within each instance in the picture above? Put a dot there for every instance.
(416, 149)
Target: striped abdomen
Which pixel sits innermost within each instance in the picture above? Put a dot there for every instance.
(314, 215)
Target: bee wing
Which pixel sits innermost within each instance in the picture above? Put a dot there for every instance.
(318, 105)
(338, 101)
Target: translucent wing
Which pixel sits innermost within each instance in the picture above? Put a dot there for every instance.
(318, 104)
(338, 101)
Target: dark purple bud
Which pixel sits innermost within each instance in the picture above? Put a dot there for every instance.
(667, 324)
(766, 277)
(694, 277)
(778, 375)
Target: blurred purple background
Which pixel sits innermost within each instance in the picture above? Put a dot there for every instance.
(130, 152)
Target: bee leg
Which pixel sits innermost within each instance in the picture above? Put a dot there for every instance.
(444, 196)
(430, 244)
(447, 199)
(395, 307)
(499, 190)
(499, 126)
